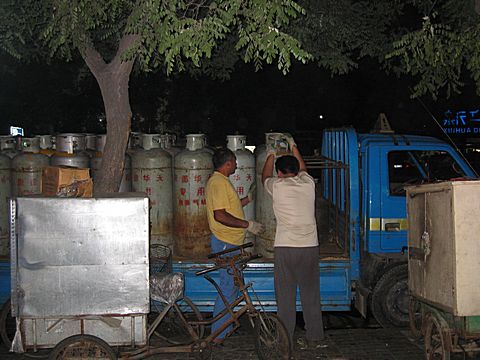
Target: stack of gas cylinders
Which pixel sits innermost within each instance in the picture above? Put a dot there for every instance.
(173, 178)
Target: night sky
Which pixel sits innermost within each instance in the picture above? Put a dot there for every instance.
(55, 98)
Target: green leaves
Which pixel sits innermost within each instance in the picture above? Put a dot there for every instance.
(185, 32)
(261, 38)
(436, 55)
(171, 33)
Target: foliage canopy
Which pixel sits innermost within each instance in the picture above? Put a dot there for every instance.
(443, 50)
(168, 33)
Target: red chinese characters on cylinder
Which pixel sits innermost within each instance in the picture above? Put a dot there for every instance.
(244, 176)
(193, 167)
(152, 175)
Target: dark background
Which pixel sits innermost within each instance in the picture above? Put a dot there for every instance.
(64, 97)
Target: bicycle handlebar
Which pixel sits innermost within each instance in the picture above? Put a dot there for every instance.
(244, 246)
(216, 267)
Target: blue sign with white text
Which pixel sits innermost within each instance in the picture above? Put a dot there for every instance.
(463, 122)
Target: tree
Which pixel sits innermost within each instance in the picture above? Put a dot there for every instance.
(444, 48)
(114, 35)
(339, 33)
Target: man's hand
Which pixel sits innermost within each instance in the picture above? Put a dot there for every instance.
(290, 140)
(251, 192)
(255, 228)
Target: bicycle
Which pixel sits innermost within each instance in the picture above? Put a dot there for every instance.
(271, 336)
(176, 311)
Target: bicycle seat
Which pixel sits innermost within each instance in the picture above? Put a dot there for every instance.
(167, 288)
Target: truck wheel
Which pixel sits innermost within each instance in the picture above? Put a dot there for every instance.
(390, 298)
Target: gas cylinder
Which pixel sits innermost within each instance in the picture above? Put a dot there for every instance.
(70, 151)
(27, 169)
(193, 167)
(134, 142)
(46, 145)
(8, 146)
(96, 163)
(166, 143)
(206, 145)
(100, 141)
(244, 176)
(5, 193)
(90, 144)
(264, 208)
(152, 175)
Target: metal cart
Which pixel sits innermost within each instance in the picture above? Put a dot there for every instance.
(80, 267)
(84, 280)
(444, 248)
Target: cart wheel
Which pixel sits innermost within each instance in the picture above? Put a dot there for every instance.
(415, 316)
(434, 341)
(172, 328)
(7, 324)
(271, 338)
(82, 347)
(389, 301)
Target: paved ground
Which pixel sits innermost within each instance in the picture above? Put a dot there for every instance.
(347, 338)
(342, 344)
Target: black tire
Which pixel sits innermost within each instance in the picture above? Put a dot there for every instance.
(415, 317)
(82, 347)
(390, 298)
(172, 329)
(271, 338)
(7, 324)
(435, 348)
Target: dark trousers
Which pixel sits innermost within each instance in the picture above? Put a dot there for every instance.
(298, 267)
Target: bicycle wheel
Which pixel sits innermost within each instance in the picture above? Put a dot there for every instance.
(82, 347)
(271, 338)
(7, 324)
(172, 328)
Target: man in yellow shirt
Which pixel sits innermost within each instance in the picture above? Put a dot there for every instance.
(227, 224)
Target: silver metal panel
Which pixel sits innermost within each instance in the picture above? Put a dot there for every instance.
(116, 331)
(82, 256)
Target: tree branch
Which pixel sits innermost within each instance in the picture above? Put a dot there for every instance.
(125, 43)
(94, 60)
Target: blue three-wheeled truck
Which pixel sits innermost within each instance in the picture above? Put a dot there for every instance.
(361, 219)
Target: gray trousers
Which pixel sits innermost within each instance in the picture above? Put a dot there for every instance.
(298, 267)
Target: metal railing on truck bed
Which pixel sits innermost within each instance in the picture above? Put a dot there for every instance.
(332, 205)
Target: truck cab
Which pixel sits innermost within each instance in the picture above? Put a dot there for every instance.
(380, 166)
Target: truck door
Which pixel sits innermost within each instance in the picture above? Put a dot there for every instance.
(401, 166)
(401, 169)
(385, 210)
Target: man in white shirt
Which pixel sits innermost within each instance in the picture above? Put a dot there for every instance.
(296, 242)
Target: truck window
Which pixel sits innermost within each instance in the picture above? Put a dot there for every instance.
(417, 167)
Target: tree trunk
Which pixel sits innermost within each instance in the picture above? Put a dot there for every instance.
(113, 81)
